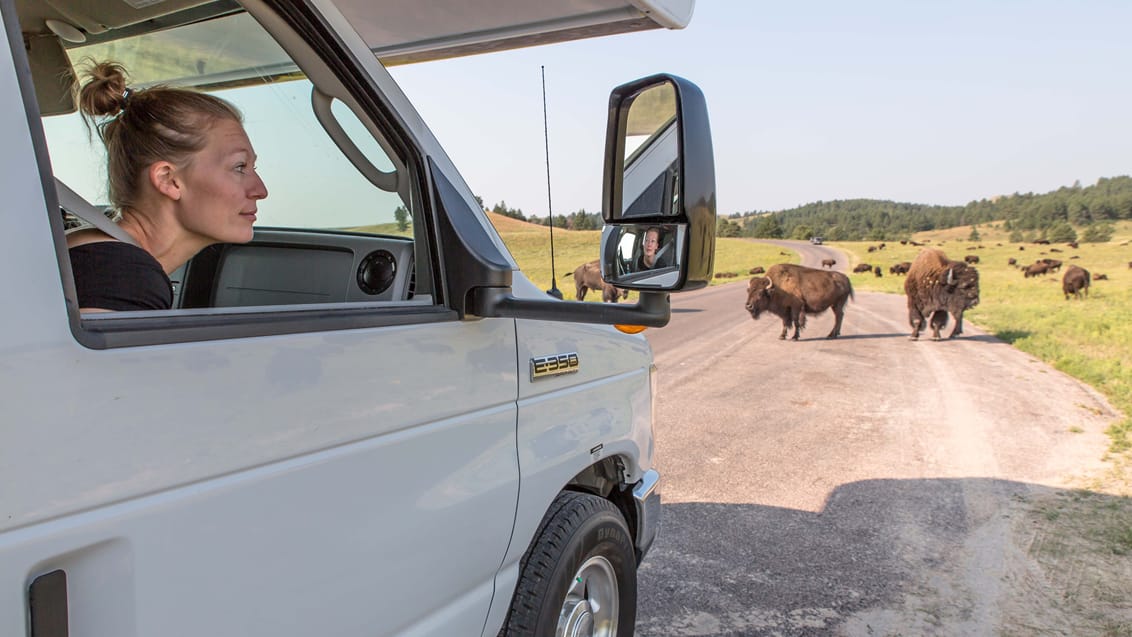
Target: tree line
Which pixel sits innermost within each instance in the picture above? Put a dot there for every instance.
(1054, 216)
(577, 220)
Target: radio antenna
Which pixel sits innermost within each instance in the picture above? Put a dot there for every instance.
(553, 291)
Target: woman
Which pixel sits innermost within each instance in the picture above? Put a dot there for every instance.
(182, 176)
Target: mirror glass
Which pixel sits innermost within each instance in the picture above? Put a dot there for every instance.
(651, 166)
(643, 256)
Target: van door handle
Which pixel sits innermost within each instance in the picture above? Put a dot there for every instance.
(47, 603)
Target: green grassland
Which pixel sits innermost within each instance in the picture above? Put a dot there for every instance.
(1089, 339)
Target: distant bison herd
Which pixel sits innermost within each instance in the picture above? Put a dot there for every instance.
(935, 286)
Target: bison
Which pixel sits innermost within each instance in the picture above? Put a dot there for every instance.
(1075, 282)
(877, 272)
(1054, 264)
(588, 277)
(1036, 268)
(862, 267)
(971, 258)
(900, 268)
(1012, 261)
(828, 263)
(936, 287)
(758, 269)
(793, 291)
(1100, 277)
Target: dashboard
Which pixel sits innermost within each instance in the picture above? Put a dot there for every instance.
(286, 267)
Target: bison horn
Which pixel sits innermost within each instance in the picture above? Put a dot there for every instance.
(769, 285)
(950, 276)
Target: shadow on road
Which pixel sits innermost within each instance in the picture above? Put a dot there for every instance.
(766, 570)
(684, 310)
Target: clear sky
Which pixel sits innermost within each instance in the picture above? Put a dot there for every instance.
(927, 102)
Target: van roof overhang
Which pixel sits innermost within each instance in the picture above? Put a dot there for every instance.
(407, 31)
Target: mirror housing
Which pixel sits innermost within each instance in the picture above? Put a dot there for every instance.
(667, 224)
(658, 201)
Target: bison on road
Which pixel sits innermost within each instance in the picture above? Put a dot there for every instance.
(790, 292)
(936, 287)
(1075, 282)
(588, 277)
(828, 263)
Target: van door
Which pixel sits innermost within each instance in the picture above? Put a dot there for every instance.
(310, 442)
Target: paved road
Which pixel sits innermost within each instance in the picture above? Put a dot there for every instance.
(857, 486)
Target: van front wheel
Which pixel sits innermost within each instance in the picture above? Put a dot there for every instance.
(579, 576)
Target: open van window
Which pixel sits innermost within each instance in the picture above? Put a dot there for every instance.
(342, 224)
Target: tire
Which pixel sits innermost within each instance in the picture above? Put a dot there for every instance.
(579, 577)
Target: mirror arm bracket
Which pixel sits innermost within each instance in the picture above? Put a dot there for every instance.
(651, 310)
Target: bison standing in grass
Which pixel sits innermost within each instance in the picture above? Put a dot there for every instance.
(790, 292)
(588, 277)
(936, 287)
(1075, 282)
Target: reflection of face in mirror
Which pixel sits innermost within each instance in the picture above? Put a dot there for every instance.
(644, 256)
(656, 252)
(651, 185)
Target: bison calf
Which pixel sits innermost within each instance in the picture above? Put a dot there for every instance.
(793, 291)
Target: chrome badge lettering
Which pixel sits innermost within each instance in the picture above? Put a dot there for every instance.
(554, 365)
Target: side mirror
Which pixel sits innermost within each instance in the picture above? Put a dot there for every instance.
(658, 204)
(659, 192)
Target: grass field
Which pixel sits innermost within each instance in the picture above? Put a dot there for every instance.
(1089, 339)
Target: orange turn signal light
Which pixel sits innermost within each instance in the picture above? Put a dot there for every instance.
(631, 329)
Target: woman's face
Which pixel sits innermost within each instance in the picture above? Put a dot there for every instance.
(221, 186)
(652, 242)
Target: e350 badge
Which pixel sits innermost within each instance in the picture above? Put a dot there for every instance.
(554, 365)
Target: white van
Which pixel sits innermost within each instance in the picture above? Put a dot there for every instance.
(339, 428)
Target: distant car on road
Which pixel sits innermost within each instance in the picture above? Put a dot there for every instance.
(816, 240)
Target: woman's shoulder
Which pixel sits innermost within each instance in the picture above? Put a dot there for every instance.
(104, 252)
(87, 236)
